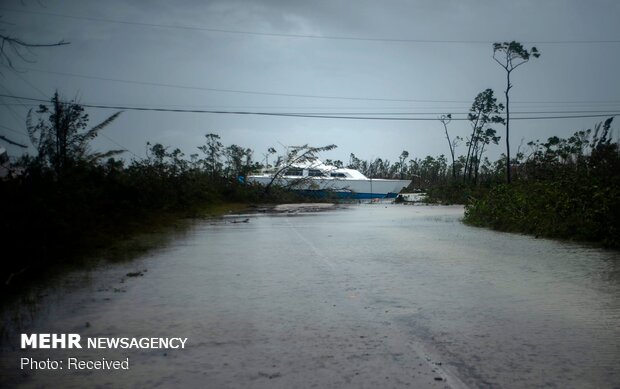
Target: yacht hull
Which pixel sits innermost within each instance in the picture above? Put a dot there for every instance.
(342, 188)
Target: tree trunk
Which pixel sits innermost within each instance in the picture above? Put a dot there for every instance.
(508, 86)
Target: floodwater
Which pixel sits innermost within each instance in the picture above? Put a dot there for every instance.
(370, 295)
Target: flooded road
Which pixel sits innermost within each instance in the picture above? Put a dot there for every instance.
(370, 295)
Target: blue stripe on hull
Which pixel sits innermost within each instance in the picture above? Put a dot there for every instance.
(362, 196)
(346, 195)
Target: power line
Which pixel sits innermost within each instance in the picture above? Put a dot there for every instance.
(333, 110)
(44, 95)
(13, 113)
(250, 92)
(28, 82)
(304, 36)
(439, 110)
(300, 115)
(268, 93)
(12, 130)
(361, 114)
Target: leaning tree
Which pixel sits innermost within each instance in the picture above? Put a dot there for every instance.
(452, 143)
(61, 136)
(484, 111)
(295, 155)
(510, 55)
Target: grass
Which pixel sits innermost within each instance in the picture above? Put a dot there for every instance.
(118, 243)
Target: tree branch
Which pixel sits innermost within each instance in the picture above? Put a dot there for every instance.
(19, 42)
(500, 64)
(15, 45)
(4, 138)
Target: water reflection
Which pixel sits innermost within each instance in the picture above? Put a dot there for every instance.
(370, 295)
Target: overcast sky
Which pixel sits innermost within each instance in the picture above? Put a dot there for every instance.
(415, 59)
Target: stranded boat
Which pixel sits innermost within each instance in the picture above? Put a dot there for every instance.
(317, 178)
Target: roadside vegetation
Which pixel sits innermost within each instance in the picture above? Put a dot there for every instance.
(68, 200)
(566, 188)
(559, 188)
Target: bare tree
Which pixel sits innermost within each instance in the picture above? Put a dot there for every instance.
(270, 151)
(11, 47)
(511, 55)
(445, 120)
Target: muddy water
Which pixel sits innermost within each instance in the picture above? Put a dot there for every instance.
(370, 295)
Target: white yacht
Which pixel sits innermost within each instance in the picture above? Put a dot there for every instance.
(315, 176)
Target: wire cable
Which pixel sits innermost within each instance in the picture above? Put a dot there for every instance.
(314, 116)
(268, 93)
(250, 92)
(304, 36)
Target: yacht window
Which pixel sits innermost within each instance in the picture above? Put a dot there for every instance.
(340, 175)
(294, 172)
(315, 173)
